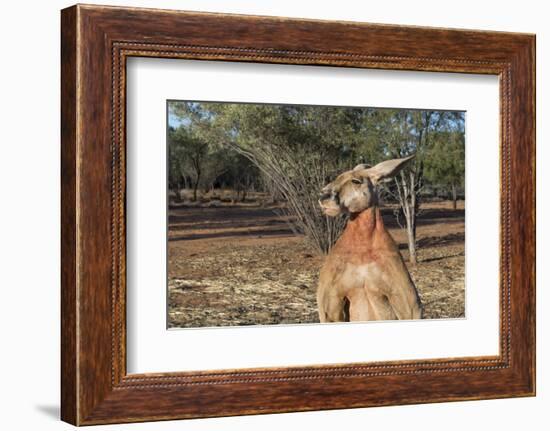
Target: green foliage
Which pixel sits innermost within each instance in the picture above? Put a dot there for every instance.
(185, 153)
(446, 162)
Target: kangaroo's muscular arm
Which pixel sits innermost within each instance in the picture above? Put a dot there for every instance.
(406, 305)
(331, 300)
(331, 307)
(403, 296)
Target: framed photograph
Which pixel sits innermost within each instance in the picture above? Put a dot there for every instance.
(264, 214)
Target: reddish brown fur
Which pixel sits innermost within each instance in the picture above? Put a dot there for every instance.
(365, 238)
(364, 268)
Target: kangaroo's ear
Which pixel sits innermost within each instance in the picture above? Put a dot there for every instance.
(361, 167)
(387, 169)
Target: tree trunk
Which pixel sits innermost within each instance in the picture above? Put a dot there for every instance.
(408, 200)
(182, 185)
(411, 222)
(453, 188)
(411, 236)
(236, 193)
(196, 185)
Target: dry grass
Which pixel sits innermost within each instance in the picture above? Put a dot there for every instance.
(240, 265)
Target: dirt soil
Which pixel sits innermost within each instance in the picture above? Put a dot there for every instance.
(242, 265)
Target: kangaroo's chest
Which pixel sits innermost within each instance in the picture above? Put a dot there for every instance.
(363, 258)
(371, 275)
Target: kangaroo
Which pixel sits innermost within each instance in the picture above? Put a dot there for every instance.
(364, 276)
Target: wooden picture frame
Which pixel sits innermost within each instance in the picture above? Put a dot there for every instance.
(95, 43)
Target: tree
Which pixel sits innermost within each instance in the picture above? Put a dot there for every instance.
(446, 162)
(404, 132)
(189, 156)
(195, 154)
(241, 174)
(177, 177)
(298, 149)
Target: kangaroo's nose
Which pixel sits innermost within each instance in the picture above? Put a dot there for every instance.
(325, 194)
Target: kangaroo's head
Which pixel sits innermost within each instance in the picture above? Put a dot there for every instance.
(355, 191)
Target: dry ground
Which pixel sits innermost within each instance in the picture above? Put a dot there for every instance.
(241, 265)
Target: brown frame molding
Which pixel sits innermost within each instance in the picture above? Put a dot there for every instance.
(95, 43)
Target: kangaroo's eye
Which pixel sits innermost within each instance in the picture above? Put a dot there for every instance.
(356, 181)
